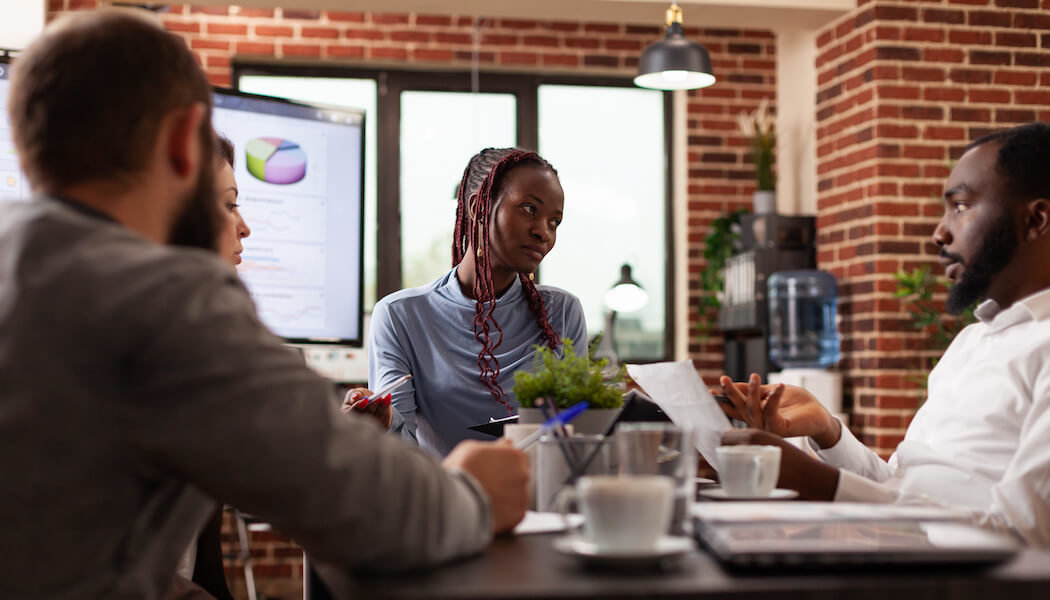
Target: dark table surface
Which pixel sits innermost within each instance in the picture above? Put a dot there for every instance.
(528, 567)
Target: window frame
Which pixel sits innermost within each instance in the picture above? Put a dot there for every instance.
(390, 82)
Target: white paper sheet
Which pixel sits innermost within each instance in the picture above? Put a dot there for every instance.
(546, 522)
(680, 392)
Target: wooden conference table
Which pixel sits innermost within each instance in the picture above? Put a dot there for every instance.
(528, 567)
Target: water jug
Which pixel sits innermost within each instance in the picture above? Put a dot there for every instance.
(802, 309)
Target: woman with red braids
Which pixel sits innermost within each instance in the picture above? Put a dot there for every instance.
(463, 336)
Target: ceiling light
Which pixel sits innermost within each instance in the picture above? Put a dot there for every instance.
(674, 63)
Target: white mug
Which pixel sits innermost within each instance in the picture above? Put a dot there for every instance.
(748, 471)
(624, 514)
(515, 432)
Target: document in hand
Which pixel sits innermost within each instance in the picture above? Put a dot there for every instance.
(680, 392)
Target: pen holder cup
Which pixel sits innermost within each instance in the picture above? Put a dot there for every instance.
(557, 458)
(515, 432)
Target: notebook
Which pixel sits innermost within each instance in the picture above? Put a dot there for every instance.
(827, 544)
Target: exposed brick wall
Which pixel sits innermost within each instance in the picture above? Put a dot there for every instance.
(720, 172)
(903, 86)
(277, 563)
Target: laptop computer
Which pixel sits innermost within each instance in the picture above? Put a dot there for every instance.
(827, 544)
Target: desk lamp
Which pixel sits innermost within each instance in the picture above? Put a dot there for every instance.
(626, 295)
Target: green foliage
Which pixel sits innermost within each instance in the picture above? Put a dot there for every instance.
(763, 157)
(718, 246)
(760, 127)
(926, 315)
(568, 380)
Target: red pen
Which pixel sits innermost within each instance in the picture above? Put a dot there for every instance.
(383, 395)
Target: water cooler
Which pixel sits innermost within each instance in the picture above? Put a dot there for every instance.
(769, 243)
(803, 337)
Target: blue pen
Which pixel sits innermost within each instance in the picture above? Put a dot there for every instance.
(562, 418)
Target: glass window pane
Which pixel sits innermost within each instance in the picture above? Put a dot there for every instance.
(608, 146)
(440, 131)
(351, 93)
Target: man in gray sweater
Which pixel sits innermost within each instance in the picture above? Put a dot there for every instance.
(137, 384)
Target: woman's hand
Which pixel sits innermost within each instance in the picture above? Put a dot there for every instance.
(785, 410)
(357, 400)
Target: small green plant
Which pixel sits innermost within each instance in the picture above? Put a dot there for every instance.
(567, 380)
(718, 247)
(920, 285)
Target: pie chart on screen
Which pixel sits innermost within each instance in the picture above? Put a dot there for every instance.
(275, 160)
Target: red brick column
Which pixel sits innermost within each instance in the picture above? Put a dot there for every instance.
(903, 87)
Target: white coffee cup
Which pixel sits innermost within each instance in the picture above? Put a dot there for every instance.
(515, 432)
(625, 514)
(748, 471)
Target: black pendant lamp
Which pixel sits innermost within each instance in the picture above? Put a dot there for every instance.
(674, 63)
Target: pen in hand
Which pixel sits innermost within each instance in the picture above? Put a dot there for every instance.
(383, 395)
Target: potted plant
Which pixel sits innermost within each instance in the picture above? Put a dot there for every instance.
(919, 287)
(719, 244)
(565, 380)
(760, 128)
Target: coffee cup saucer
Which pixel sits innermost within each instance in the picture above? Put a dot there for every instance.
(777, 494)
(666, 547)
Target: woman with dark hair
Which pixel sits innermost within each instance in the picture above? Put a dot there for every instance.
(202, 562)
(233, 228)
(463, 336)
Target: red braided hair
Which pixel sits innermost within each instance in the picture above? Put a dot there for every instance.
(484, 176)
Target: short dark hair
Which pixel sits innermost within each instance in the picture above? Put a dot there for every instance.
(1023, 159)
(88, 96)
(224, 149)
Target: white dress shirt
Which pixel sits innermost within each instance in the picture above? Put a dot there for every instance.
(982, 438)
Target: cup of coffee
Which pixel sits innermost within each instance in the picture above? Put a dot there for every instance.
(748, 471)
(624, 514)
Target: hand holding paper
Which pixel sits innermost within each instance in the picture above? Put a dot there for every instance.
(680, 392)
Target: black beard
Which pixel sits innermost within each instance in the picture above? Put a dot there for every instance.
(198, 224)
(994, 254)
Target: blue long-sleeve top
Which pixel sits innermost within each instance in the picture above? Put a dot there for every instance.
(429, 332)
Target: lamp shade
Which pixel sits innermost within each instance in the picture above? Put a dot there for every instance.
(626, 295)
(674, 63)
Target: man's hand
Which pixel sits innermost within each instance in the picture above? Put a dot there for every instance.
(379, 409)
(785, 410)
(503, 471)
(812, 479)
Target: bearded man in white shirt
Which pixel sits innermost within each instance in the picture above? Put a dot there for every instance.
(981, 440)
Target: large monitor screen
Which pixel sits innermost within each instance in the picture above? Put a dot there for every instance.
(13, 184)
(299, 172)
